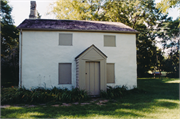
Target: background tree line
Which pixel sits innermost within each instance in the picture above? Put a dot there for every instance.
(144, 16)
(9, 47)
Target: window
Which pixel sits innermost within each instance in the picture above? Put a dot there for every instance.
(65, 39)
(109, 41)
(110, 73)
(64, 73)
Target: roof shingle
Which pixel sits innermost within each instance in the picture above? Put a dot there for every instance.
(74, 25)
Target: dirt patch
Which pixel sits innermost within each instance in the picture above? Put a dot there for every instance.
(84, 104)
(66, 104)
(4, 106)
(93, 100)
(99, 104)
(55, 105)
(76, 103)
(96, 101)
(31, 106)
(103, 101)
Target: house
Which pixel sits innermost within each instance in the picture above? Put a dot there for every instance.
(76, 53)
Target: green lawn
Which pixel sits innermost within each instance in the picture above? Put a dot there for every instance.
(160, 101)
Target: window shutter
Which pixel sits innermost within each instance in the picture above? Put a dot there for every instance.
(65, 39)
(64, 73)
(109, 41)
(110, 73)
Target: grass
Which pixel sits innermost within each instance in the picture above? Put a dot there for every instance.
(160, 101)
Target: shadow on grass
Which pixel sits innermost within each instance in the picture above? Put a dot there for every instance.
(166, 104)
(159, 88)
(158, 94)
(73, 111)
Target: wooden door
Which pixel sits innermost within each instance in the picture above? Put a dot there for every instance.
(93, 78)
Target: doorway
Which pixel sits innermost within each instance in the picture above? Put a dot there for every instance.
(92, 77)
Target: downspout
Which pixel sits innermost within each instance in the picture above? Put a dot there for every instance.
(20, 60)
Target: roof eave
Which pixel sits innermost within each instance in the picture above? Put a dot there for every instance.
(46, 29)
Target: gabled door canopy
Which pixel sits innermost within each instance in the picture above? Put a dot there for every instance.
(91, 54)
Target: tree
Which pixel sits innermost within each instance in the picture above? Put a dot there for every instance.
(76, 9)
(169, 34)
(38, 15)
(9, 45)
(164, 5)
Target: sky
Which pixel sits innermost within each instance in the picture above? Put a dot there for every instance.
(21, 10)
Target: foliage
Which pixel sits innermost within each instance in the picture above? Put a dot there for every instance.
(41, 95)
(9, 46)
(168, 31)
(38, 15)
(169, 35)
(164, 5)
(171, 65)
(118, 92)
(114, 92)
(76, 9)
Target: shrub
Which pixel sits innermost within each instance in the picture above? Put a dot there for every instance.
(113, 92)
(118, 91)
(41, 95)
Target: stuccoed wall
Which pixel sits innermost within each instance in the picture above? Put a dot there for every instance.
(41, 54)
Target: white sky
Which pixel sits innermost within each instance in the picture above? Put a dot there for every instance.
(21, 9)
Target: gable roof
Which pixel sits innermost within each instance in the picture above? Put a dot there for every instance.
(75, 25)
(88, 49)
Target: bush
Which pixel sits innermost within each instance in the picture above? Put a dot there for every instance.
(41, 95)
(115, 92)
(118, 91)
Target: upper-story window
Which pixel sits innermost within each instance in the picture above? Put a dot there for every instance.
(109, 40)
(65, 39)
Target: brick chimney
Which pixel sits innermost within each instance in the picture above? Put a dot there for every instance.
(33, 10)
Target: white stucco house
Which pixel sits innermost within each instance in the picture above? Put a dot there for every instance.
(71, 53)
(89, 55)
